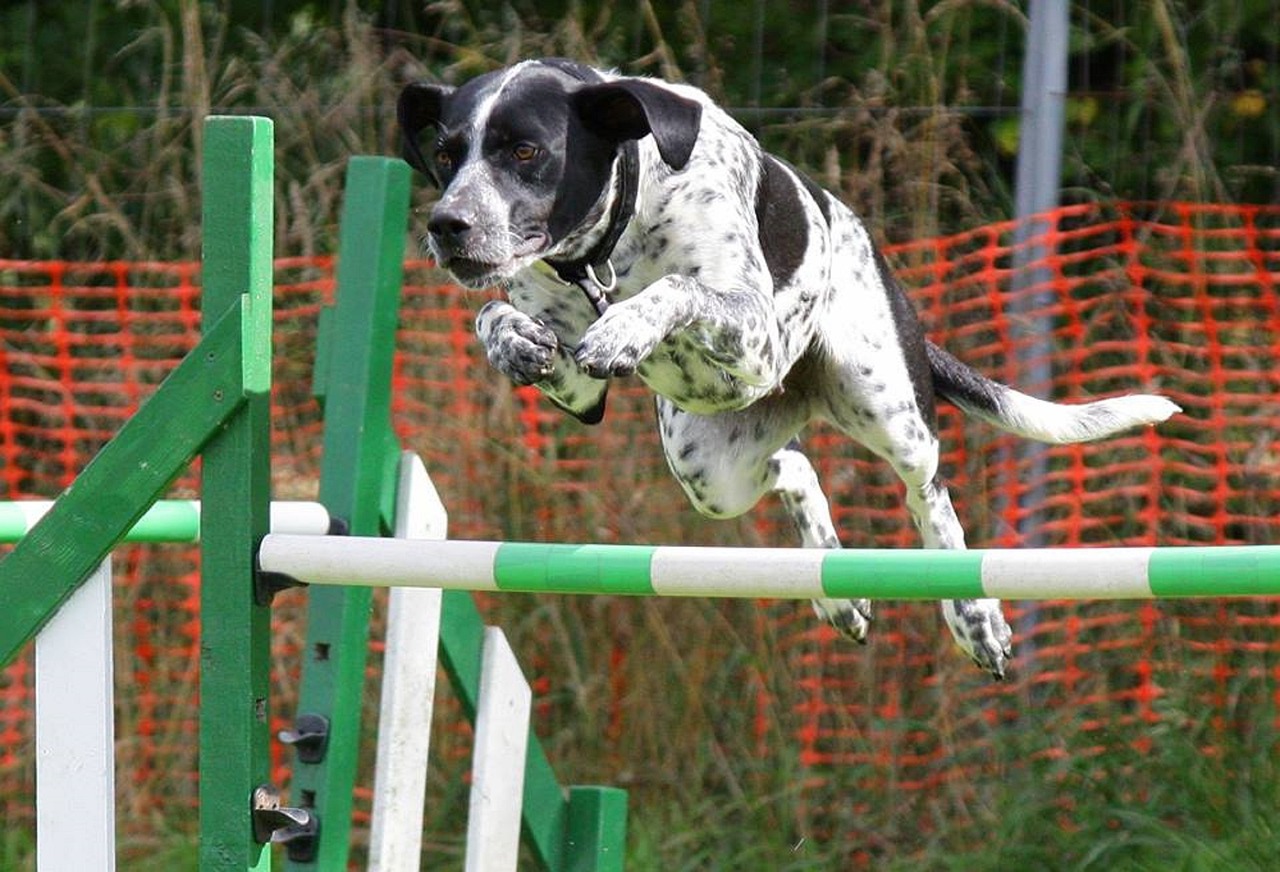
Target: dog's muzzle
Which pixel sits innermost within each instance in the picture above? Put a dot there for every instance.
(477, 254)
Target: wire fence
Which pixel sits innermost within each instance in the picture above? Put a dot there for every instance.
(877, 751)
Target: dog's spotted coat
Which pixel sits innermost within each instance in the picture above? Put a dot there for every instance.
(749, 300)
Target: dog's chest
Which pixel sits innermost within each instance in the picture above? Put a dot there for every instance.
(679, 371)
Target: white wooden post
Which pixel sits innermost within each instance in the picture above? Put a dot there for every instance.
(75, 733)
(408, 687)
(75, 695)
(498, 758)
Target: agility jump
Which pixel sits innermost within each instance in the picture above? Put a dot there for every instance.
(777, 573)
(215, 404)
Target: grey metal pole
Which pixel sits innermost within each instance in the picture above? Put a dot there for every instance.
(1036, 186)
(1044, 96)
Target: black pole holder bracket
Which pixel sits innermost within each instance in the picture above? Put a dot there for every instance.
(298, 829)
(267, 584)
(309, 737)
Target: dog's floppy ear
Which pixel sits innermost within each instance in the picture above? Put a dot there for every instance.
(420, 106)
(632, 108)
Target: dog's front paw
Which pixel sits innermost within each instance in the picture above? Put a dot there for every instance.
(517, 345)
(850, 618)
(617, 342)
(981, 632)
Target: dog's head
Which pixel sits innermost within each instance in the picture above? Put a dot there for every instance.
(523, 157)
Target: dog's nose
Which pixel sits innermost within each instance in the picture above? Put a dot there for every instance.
(448, 228)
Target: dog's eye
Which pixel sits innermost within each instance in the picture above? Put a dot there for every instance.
(444, 161)
(524, 151)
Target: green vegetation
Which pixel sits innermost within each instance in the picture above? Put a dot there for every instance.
(908, 110)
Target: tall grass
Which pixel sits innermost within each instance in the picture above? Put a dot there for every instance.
(908, 111)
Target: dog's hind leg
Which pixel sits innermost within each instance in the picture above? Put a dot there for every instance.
(797, 484)
(877, 390)
(726, 462)
(978, 626)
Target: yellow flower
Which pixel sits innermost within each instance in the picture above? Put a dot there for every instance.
(1249, 104)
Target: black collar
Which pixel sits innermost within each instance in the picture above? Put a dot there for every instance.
(585, 271)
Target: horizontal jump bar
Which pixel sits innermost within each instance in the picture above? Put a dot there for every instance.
(169, 520)
(777, 573)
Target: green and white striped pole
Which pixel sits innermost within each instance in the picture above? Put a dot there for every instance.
(778, 573)
(168, 521)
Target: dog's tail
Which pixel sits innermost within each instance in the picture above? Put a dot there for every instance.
(1041, 420)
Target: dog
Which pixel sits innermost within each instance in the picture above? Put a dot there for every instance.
(637, 228)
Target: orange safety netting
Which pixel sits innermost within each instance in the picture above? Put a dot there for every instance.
(1177, 298)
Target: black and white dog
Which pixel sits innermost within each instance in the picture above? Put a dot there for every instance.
(637, 228)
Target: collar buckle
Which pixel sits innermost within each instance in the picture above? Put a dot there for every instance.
(597, 291)
(604, 287)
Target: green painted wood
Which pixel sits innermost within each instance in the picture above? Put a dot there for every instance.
(357, 479)
(115, 489)
(461, 644)
(236, 475)
(887, 574)
(545, 807)
(538, 567)
(1208, 570)
(596, 830)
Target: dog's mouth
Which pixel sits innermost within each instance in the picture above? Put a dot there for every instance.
(479, 272)
(472, 273)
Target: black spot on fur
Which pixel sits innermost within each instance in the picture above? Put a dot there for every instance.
(911, 339)
(784, 230)
(962, 385)
(819, 196)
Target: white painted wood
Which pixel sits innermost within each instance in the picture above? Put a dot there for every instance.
(683, 571)
(1040, 573)
(497, 765)
(300, 517)
(408, 687)
(378, 562)
(75, 733)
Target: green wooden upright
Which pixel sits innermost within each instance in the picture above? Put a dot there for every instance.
(235, 629)
(357, 481)
(583, 829)
(217, 400)
(116, 488)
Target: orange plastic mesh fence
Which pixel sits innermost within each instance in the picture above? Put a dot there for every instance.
(899, 736)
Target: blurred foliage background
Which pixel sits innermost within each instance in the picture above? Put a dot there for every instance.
(907, 109)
